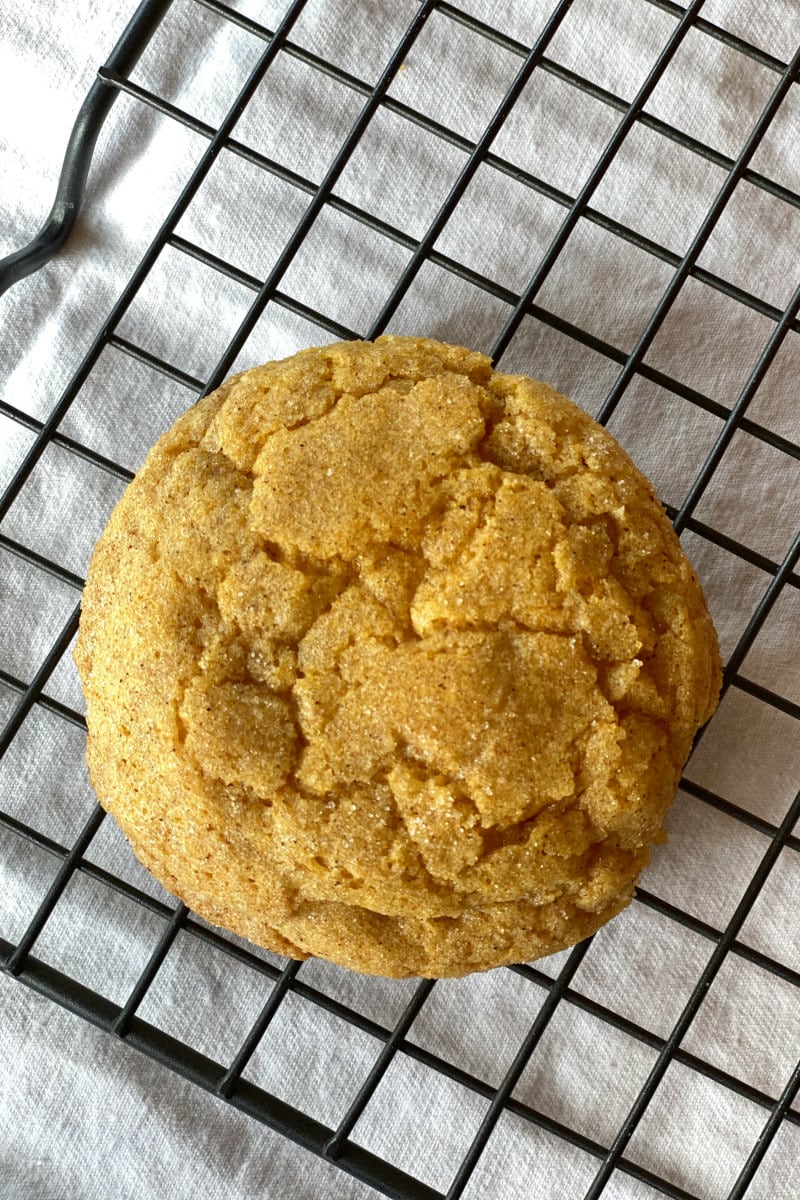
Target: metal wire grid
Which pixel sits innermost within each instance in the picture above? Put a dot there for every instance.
(226, 1079)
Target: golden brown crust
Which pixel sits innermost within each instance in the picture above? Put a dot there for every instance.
(394, 660)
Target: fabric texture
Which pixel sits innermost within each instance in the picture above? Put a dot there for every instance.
(86, 1117)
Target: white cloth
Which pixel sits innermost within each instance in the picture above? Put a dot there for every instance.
(84, 1117)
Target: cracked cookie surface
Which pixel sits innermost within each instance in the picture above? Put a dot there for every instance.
(393, 659)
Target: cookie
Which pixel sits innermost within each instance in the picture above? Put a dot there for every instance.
(393, 659)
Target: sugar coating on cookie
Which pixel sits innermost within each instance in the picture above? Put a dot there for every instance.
(393, 659)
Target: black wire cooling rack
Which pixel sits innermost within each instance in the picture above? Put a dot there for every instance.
(226, 1079)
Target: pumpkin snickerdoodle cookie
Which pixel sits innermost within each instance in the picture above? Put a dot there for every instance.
(393, 659)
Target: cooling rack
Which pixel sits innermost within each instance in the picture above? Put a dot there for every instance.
(716, 950)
